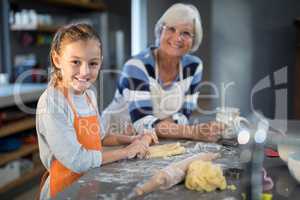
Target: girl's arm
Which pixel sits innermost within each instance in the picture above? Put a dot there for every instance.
(132, 150)
(57, 136)
(118, 139)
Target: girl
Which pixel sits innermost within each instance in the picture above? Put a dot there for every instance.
(67, 123)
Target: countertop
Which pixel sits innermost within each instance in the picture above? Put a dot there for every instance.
(117, 180)
(12, 94)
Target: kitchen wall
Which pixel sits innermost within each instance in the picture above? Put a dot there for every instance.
(250, 41)
(245, 42)
(117, 18)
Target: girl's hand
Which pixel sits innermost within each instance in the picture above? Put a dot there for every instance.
(148, 138)
(136, 148)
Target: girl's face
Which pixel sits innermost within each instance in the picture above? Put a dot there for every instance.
(176, 40)
(79, 62)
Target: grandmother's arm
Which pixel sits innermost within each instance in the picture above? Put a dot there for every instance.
(177, 126)
(134, 86)
(208, 132)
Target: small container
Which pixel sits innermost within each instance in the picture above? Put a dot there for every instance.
(230, 116)
(294, 165)
(3, 79)
(285, 148)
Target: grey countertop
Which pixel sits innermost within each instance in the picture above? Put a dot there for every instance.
(285, 186)
(117, 180)
(13, 94)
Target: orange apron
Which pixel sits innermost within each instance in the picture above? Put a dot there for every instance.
(88, 135)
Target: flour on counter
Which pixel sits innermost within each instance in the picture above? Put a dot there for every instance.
(117, 180)
(128, 171)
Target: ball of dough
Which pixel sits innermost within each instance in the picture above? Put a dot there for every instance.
(204, 176)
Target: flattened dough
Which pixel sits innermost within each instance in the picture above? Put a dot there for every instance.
(165, 150)
(204, 176)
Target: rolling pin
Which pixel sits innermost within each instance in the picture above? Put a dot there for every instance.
(172, 174)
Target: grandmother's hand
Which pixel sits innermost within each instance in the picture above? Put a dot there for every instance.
(129, 130)
(208, 132)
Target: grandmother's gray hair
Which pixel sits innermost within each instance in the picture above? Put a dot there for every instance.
(185, 13)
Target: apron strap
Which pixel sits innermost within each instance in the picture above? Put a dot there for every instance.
(43, 180)
(89, 100)
(93, 105)
(66, 94)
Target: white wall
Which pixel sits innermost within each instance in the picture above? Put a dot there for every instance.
(250, 41)
(232, 45)
(244, 41)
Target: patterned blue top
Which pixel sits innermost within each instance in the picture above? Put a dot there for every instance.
(137, 75)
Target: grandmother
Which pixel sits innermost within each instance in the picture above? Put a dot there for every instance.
(157, 90)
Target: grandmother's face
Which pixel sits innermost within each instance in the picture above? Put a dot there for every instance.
(177, 40)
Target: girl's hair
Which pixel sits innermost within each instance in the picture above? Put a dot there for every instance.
(67, 34)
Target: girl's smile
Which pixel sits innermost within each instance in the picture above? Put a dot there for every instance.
(79, 63)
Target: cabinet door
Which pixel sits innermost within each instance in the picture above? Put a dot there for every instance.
(296, 86)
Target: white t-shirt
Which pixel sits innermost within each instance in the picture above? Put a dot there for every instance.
(56, 134)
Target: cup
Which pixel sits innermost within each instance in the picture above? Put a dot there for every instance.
(3, 79)
(230, 116)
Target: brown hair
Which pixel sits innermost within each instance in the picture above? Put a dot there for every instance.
(69, 33)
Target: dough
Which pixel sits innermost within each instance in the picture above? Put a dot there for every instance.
(231, 187)
(165, 150)
(204, 176)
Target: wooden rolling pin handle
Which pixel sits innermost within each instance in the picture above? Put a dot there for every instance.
(159, 179)
(151, 185)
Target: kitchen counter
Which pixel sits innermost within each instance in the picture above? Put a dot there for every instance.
(13, 94)
(285, 186)
(117, 180)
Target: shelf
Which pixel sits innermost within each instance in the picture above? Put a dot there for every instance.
(84, 4)
(42, 29)
(36, 171)
(22, 151)
(14, 127)
(47, 29)
(297, 21)
(12, 94)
